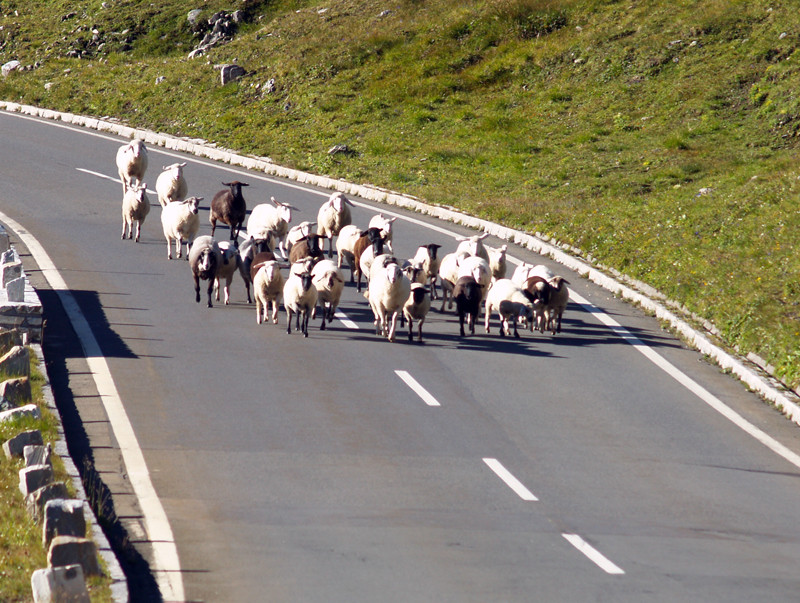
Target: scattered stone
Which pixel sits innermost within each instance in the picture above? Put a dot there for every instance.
(7, 68)
(37, 455)
(270, 85)
(63, 517)
(385, 13)
(160, 79)
(15, 447)
(340, 149)
(34, 477)
(16, 362)
(65, 583)
(194, 16)
(15, 414)
(70, 550)
(36, 500)
(48, 85)
(17, 390)
(231, 73)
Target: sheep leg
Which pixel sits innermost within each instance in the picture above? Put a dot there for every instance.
(138, 230)
(410, 331)
(124, 225)
(211, 282)
(169, 248)
(461, 323)
(419, 328)
(196, 289)
(258, 310)
(288, 321)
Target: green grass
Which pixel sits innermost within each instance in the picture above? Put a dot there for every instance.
(596, 122)
(21, 549)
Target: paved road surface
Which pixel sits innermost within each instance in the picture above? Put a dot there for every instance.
(344, 468)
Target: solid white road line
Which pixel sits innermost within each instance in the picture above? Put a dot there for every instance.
(418, 389)
(345, 321)
(593, 554)
(511, 481)
(166, 565)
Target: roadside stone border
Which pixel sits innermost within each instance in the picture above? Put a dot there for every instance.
(24, 317)
(755, 373)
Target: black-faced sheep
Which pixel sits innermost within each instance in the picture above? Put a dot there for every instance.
(299, 299)
(205, 258)
(332, 216)
(135, 207)
(416, 308)
(171, 184)
(229, 207)
(307, 247)
(427, 259)
(230, 265)
(248, 250)
(180, 223)
(468, 294)
(372, 238)
(131, 163)
(268, 285)
(329, 282)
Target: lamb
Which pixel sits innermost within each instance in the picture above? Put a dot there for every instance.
(205, 258)
(426, 258)
(268, 285)
(388, 292)
(180, 223)
(332, 216)
(512, 304)
(231, 262)
(416, 308)
(275, 218)
(473, 245)
(307, 247)
(468, 294)
(229, 207)
(171, 184)
(135, 207)
(299, 299)
(131, 164)
(329, 282)
(385, 224)
(497, 262)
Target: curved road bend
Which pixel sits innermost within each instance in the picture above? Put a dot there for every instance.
(344, 468)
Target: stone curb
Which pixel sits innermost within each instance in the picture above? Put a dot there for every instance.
(754, 375)
(119, 583)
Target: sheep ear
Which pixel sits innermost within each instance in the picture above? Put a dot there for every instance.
(227, 183)
(243, 184)
(346, 200)
(462, 239)
(483, 236)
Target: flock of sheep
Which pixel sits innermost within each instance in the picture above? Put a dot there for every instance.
(471, 277)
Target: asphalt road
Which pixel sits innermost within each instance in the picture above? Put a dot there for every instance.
(568, 468)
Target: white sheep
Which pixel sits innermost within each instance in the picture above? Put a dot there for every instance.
(267, 289)
(230, 265)
(448, 275)
(299, 298)
(416, 308)
(479, 269)
(333, 215)
(329, 282)
(497, 262)
(180, 223)
(345, 247)
(512, 303)
(135, 207)
(427, 258)
(524, 271)
(385, 224)
(275, 218)
(473, 245)
(131, 163)
(388, 292)
(171, 184)
(205, 258)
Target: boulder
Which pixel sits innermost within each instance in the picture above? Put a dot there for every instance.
(63, 517)
(9, 67)
(36, 500)
(65, 583)
(16, 445)
(17, 390)
(16, 362)
(231, 73)
(29, 410)
(71, 550)
(34, 477)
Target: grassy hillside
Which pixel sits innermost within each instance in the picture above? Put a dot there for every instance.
(661, 136)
